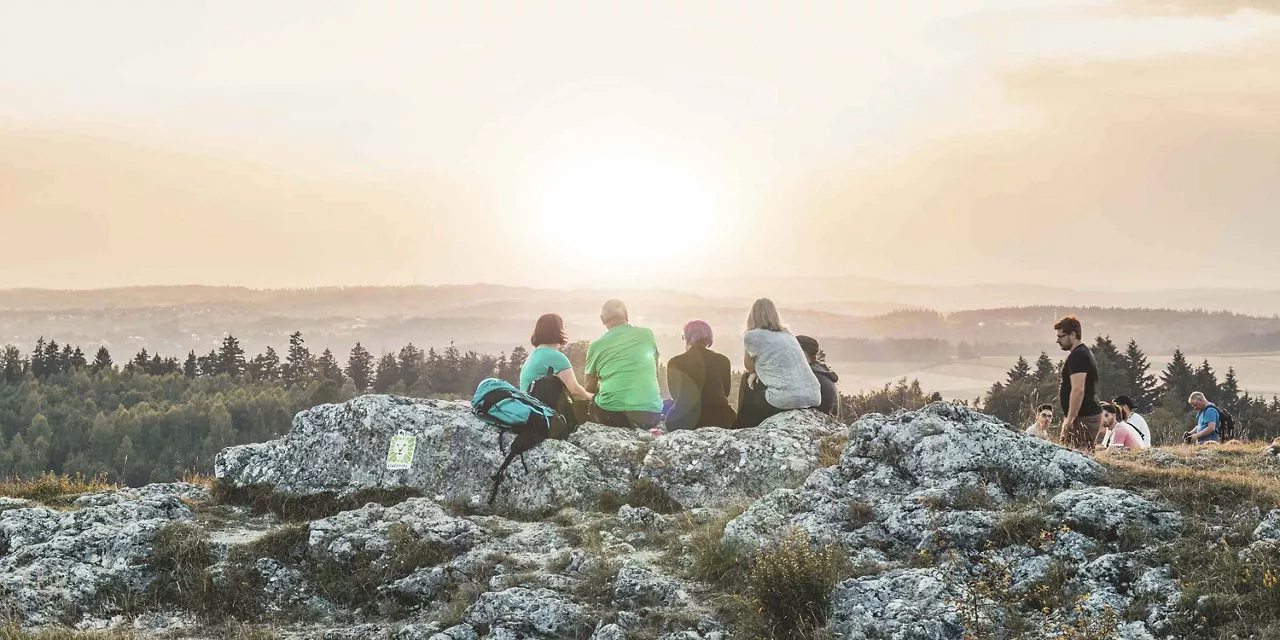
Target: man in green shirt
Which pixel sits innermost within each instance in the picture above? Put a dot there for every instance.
(622, 370)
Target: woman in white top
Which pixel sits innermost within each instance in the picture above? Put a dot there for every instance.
(778, 375)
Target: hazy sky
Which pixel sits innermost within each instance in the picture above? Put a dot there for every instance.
(1094, 144)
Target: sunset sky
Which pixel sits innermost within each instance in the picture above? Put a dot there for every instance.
(1089, 144)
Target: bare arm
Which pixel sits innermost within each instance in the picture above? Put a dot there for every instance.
(1208, 430)
(749, 362)
(571, 384)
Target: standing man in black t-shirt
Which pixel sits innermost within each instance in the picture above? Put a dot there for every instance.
(1077, 395)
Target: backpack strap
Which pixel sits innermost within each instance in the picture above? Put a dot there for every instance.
(497, 477)
(493, 398)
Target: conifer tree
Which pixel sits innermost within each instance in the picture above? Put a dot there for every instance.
(388, 373)
(412, 362)
(327, 368)
(78, 360)
(230, 358)
(1176, 381)
(516, 361)
(1021, 369)
(299, 364)
(12, 365)
(65, 357)
(52, 358)
(1045, 369)
(360, 367)
(1206, 382)
(1140, 385)
(1229, 391)
(140, 364)
(102, 361)
(37, 359)
(265, 366)
(191, 367)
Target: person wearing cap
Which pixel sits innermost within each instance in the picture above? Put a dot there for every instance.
(1119, 434)
(827, 378)
(1132, 418)
(699, 381)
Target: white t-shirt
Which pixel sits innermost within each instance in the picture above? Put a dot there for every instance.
(1034, 431)
(1139, 424)
(783, 368)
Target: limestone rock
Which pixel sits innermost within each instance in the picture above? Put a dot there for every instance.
(52, 562)
(904, 480)
(541, 612)
(637, 586)
(1107, 513)
(342, 448)
(367, 530)
(1269, 528)
(908, 603)
(719, 468)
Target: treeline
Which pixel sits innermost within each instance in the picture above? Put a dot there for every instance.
(154, 418)
(1162, 398)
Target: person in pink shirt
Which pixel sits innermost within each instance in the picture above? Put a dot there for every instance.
(1122, 434)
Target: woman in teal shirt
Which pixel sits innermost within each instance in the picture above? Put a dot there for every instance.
(548, 337)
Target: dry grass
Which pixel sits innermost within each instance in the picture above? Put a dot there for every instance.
(830, 448)
(49, 487)
(1228, 590)
(263, 498)
(16, 633)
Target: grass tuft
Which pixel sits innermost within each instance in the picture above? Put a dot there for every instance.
(49, 487)
(263, 498)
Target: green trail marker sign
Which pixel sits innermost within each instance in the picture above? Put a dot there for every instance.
(400, 453)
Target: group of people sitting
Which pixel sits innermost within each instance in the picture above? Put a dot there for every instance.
(621, 387)
(1122, 426)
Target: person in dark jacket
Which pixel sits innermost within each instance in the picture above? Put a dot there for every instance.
(827, 378)
(699, 382)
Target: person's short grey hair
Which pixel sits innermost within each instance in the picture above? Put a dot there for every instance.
(614, 310)
(1196, 395)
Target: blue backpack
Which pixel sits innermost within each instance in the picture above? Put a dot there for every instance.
(500, 404)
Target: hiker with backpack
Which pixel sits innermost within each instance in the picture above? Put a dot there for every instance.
(546, 359)
(699, 382)
(622, 372)
(1132, 418)
(1209, 422)
(778, 375)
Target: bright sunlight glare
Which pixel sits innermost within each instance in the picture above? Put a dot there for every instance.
(627, 212)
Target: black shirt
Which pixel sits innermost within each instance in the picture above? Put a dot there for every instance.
(1081, 360)
(699, 380)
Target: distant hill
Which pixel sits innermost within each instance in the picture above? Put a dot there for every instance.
(174, 320)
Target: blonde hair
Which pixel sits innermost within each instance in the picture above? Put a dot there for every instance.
(764, 315)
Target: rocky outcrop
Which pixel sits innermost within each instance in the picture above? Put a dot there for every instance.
(953, 522)
(57, 565)
(344, 449)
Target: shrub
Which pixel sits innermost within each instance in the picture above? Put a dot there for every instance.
(791, 583)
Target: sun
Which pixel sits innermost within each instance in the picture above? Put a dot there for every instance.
(626, 212)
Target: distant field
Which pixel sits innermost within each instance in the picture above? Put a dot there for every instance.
(1259, 373)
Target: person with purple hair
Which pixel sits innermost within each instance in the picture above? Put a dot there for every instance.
(699, 382)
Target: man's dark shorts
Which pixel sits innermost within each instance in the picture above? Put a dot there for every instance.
(625, 419)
